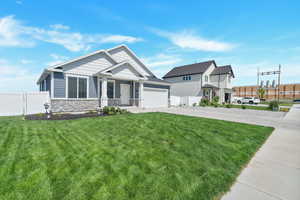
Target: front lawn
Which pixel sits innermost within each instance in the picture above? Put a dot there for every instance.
(137, 156)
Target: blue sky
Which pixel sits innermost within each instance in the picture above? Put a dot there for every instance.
(164, 34)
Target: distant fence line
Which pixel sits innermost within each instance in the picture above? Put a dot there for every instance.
(186, 100)
(23, 103)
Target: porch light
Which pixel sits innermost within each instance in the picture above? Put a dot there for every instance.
(46, 105)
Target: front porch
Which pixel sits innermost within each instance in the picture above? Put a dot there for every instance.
(121, 93)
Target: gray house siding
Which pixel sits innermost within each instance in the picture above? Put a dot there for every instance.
(93, 87)
(59, 85)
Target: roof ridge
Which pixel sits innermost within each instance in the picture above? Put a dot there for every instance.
(195, 63)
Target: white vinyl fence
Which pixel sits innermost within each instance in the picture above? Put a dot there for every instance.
(23, 103)
(186, 101)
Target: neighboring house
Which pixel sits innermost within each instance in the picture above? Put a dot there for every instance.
(204, 79)
(114, 77)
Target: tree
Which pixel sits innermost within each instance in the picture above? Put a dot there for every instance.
(261, 93)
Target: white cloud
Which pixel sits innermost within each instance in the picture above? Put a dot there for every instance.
(160, 64)
(25, 61)
(57, 59)
(160, 60)
(11, 33)
(16, 78)
(59, 27)
(187, 39)
(119, 39)
(14, 33)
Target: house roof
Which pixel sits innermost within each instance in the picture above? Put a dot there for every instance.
(209, 86)
(223, 70)
(197, 68)
(106, 52)
(154, 79)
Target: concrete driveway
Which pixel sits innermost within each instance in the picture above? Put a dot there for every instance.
(258, 117)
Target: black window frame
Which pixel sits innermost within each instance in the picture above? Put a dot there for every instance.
(78, 91)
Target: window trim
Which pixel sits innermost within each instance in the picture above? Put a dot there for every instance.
(187, 78)
(77, 79)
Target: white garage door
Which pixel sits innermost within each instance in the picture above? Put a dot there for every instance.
(154, 98)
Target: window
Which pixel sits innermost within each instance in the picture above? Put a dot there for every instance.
(186, 78)
(82, 88)
(72, 87)
(110, 89)
(206, 78)
(229, 79)
(77, 87)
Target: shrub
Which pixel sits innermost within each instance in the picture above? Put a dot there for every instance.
(106, 109)
(273, 105)
(216, 99)
(194, 104)
(109, 110)
(228, 106)
(243, 107)
(204, 102)
(215, 105)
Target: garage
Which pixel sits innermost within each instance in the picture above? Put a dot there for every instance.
(154, 97)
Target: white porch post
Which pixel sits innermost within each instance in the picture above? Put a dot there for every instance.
(133, 94)
(210, 94)
(104, 92)
(141, 94)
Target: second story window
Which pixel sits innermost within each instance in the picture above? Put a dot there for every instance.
(187, 78)
(206, 78)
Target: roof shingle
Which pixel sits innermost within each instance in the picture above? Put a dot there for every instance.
(197, 68)
(223, 70)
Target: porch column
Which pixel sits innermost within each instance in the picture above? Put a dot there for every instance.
(210, 94)
(104, 92)
(141, 94)
(133, 94)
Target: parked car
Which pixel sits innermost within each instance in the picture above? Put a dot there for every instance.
(237, 99)
(249, 100)
(296, 101)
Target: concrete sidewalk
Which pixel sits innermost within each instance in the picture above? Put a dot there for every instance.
(274, 171)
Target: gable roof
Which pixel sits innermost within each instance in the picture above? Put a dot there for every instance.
(197, 68)
(109, 69)
(131, 53)
(105, 52)
(223, 70)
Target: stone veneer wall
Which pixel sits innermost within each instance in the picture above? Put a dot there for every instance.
(73, 105)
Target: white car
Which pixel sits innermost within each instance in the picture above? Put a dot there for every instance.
(237, 99)
(249, 100)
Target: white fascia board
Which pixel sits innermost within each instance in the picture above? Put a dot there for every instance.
(104, 71)
(132, 54)
(82, 57)
(157, 83)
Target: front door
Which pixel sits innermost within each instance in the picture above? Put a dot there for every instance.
(125, 94)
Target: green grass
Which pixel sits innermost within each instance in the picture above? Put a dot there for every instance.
(281, 103)
(251, 107)
(138, 156)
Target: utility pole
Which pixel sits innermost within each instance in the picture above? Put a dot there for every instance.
(279, 82)
(257, 89)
